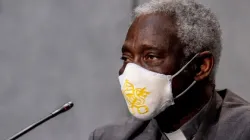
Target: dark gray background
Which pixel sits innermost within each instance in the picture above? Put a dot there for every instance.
(54, 51)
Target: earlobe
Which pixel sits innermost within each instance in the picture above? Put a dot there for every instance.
(206, 65)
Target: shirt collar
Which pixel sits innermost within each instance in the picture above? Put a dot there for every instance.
(176, 135)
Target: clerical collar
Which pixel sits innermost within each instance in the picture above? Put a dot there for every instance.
(176, 135)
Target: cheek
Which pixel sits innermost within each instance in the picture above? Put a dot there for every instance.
(180, 83)
(122, 69)
(176, 85)
(168, 67)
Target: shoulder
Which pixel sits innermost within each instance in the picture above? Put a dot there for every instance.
(118, 130)
(234, 108)
(235, 115)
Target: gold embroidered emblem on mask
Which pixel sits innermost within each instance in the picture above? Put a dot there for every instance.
(135, 98)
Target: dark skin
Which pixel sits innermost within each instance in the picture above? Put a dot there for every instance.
(152, 43)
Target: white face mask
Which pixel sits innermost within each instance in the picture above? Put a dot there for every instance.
(148, 93)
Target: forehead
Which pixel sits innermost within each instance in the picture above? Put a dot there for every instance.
(153, 29)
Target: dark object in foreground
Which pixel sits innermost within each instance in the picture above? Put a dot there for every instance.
(64, 108)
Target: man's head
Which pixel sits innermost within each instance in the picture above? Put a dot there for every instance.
(166, 34)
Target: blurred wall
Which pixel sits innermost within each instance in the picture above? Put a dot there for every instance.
(54, 51)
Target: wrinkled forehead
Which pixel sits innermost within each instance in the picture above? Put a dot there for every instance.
(155, 29)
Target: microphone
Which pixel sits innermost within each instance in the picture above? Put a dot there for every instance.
(63, 109)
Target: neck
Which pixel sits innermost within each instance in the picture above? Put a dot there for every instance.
(185, 108)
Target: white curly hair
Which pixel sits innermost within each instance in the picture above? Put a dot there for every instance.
(197, 27)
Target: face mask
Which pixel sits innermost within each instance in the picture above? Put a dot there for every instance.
(148, 93)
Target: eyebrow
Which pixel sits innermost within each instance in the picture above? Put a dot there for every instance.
(146, 47)
(125, 48)
(150, 47)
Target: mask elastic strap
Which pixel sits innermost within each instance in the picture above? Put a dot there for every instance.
(178, 72)
(185, 90)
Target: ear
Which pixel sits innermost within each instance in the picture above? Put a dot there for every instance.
(206, 65)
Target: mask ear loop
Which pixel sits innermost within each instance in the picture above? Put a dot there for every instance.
(178, 72)
(185, 90)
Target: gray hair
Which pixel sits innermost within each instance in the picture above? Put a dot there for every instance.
(197, 27)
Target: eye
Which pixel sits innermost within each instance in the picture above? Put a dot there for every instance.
(124, 58)
(151, 57)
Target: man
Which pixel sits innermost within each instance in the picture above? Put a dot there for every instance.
(170, 55)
